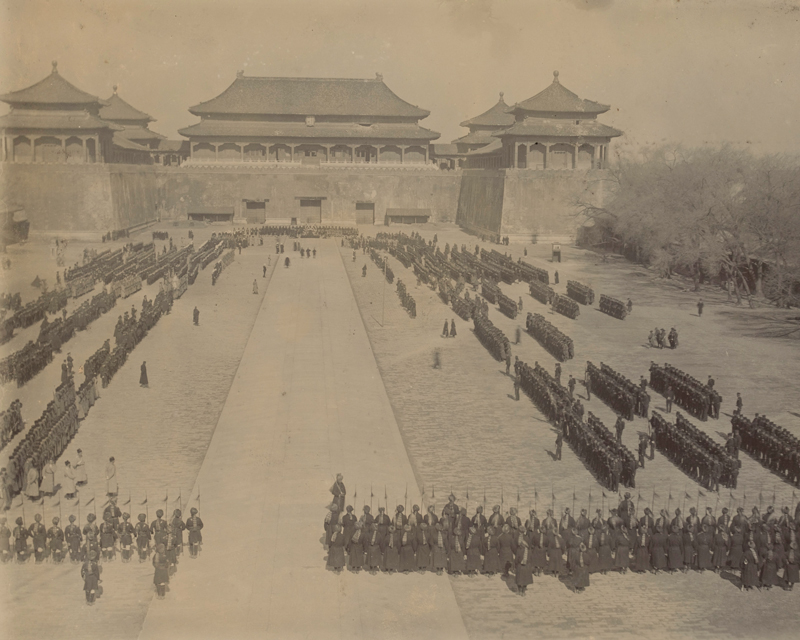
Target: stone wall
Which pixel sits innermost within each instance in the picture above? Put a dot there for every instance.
(480, 200)
(182, 189)
(525, 204)
(81, 200)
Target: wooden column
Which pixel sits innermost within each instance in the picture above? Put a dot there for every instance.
(547, 156)
(402, 154)
(216, 153)
(575, 156)
(241, 148)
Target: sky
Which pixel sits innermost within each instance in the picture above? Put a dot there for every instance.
(692, 72)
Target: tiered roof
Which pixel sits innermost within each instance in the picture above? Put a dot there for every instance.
(558, 99)
(308, 96)
(54, 104)
(116, 110)
(52, 90)
(497, 117)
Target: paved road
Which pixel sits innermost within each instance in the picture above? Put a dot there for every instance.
(307, 402)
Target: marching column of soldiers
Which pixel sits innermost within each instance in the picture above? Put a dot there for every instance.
(558, 344)
(45, 441)
(694, 452)
(492, 338)
(617, 391)
(92, 545)
(700, 400)
(773, 446)
(758, 547)
(10, 423)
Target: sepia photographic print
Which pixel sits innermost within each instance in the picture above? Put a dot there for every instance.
(436, 319)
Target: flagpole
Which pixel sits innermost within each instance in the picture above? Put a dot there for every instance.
(147, 508)
(573, 501)
(94, 504)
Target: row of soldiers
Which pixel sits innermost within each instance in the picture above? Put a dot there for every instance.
(568, 546)
(773, 446)
(115, 533)
(11, 423)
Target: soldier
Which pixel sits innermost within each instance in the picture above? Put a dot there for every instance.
(178, 527)
(111, 470)
(496, 519)
(700, 305)
(558, 373)
(72, 534)
(112, 511)
(159, 528)
(571, 386)
(38, 535)
(739, 402)
(126, 531)
(5, 541)
(196, 313)
(453, 328)
(517, 383)
(194, 525)
(108, 536)
(446, 330)
(20, 535)
(142, 533)
(670, 396)
(619, 426)
(56, 537)
(90, 572)
(161, 575)
(643, 439)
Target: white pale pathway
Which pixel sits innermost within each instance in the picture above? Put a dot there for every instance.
(307, 402)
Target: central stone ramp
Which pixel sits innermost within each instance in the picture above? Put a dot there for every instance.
(307, 402)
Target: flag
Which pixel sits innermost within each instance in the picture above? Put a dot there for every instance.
(90, 501)
(467, 493)
(355, 494)
(517, 495)
(760, 497)
(604, 494)
(655, 495)
(56, 504)
(670, 495)
(433, 492)
(688, 497)
(423, 489)
(573, 495)
(371, 495)
(700, 493)
(144, 502)
(535, 493)
(639, 497)
(128, 501)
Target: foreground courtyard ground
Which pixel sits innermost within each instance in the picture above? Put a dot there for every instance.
(323, 371)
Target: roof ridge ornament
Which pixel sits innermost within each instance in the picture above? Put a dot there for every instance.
(115, 89)
(55, 66)
(555, 77)
(240, 73)
(501, 97)
(379, 77)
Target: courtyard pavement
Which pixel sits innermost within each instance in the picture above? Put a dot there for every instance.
(307, 402)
